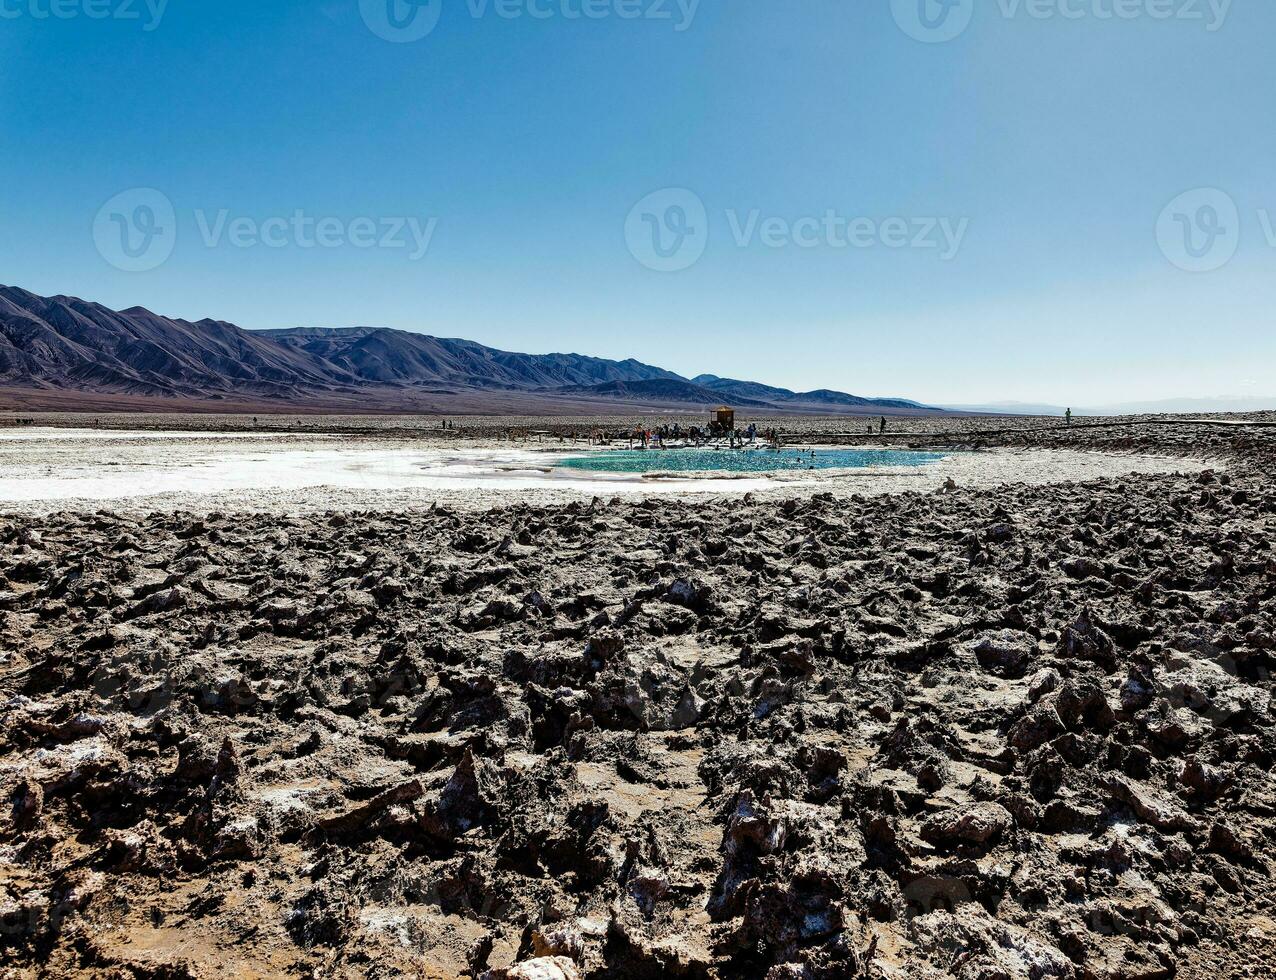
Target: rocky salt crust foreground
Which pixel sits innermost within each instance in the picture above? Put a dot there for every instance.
(1015, 732)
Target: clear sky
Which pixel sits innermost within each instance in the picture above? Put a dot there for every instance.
(814, 147)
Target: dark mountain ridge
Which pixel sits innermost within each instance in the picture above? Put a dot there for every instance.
(383, 354)
(66, 345)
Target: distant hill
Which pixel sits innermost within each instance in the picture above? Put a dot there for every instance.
(61, 350)
(676, 390)
(822, 396)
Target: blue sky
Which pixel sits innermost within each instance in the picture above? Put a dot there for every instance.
(537, 151)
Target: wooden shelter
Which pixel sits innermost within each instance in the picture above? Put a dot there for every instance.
(725, 417)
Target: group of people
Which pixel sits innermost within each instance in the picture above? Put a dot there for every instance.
(693, 435)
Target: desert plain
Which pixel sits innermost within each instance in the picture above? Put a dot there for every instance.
(1009, 718)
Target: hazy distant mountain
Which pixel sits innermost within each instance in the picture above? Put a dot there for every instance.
(1186, 406)
(1172, 406)
(66, 349)
(1010, 408)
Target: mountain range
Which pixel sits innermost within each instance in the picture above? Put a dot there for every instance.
(63, 353)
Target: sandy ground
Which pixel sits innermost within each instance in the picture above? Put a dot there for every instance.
(1002, 730)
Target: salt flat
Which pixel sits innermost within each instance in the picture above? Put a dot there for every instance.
(43, 469)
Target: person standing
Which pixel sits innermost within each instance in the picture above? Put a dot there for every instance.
(1068, 415)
